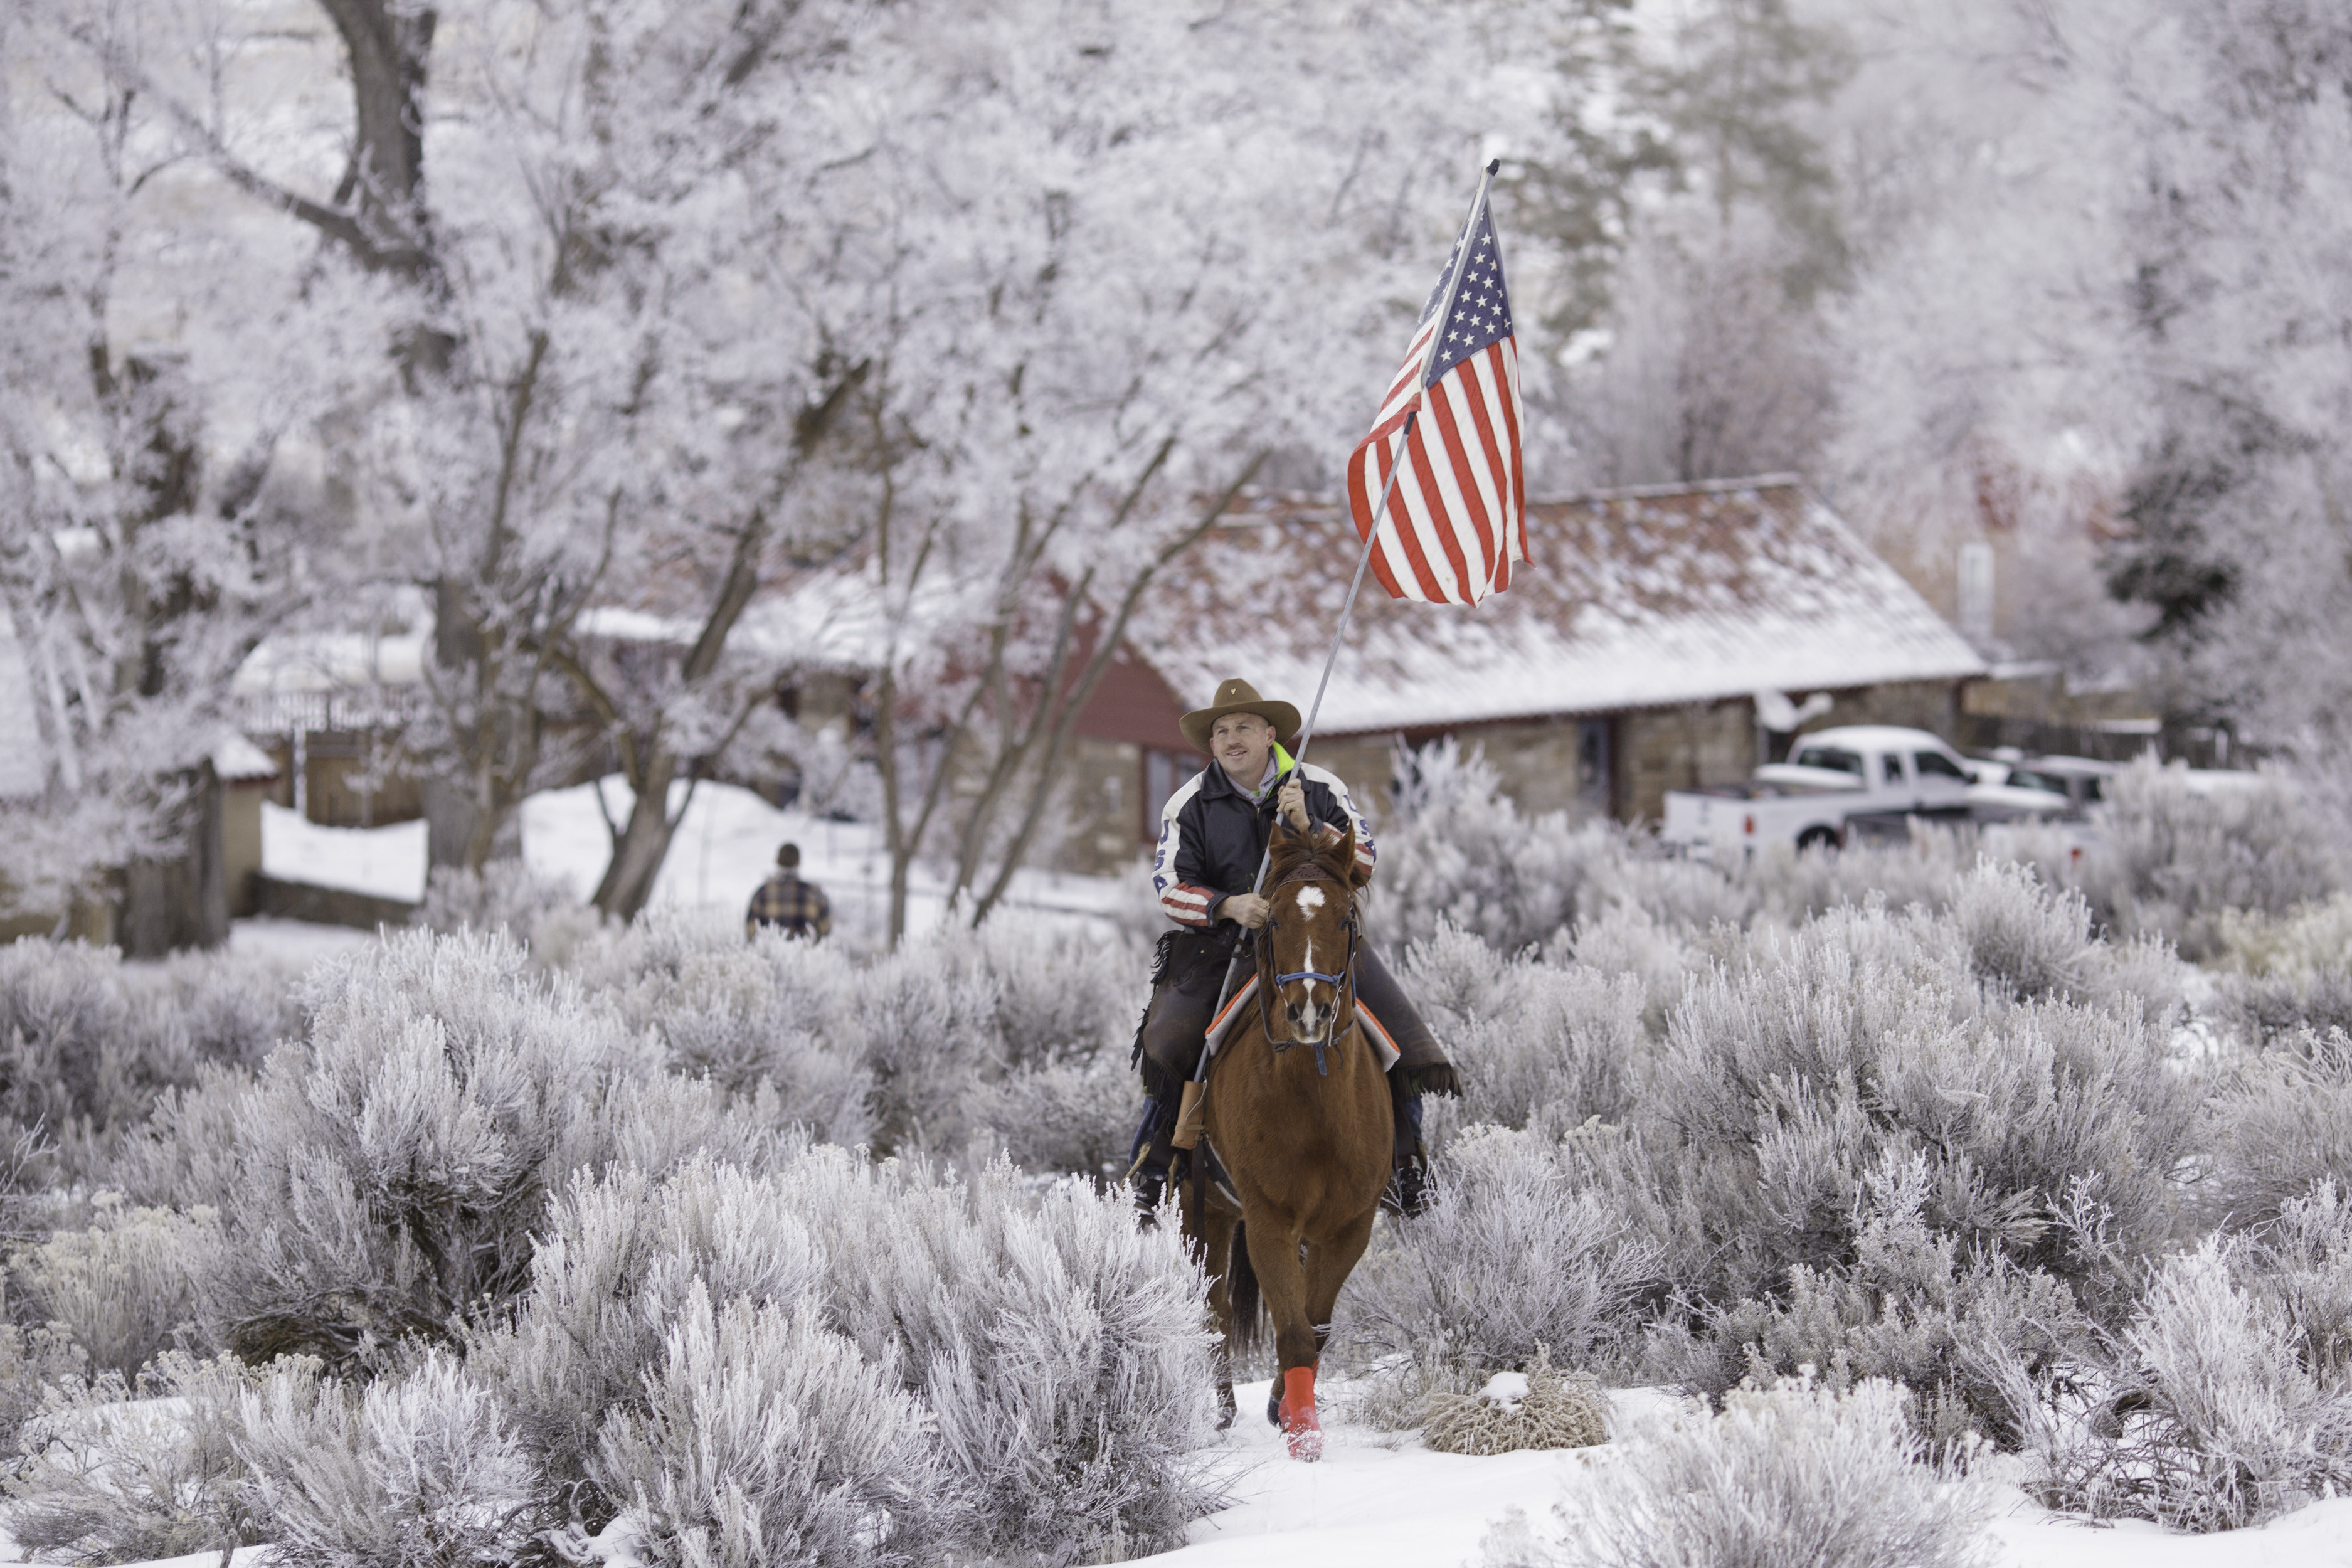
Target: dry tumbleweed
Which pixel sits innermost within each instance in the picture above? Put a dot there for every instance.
(1541, 1408)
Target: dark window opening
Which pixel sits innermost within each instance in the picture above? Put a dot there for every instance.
(1831, 758)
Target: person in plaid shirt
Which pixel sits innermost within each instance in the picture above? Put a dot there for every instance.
(792, 906)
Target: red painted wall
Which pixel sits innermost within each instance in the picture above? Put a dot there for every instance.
(1132, 703)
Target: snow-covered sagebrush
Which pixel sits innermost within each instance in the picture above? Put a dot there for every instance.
(389, 1173)
(1011, 1034)
(2278, 1122)
(1539, 1045)
(417, 1471)
(766, 1438)
(87, 1043)
(1510, 1261)
(1056, 1358)
(2172, 857)
(124, 1285)
(116, 1469)
(1786, 1475)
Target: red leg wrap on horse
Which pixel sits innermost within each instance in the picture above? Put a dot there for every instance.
(1301, 1430)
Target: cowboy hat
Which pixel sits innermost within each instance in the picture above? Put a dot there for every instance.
(1238, 696)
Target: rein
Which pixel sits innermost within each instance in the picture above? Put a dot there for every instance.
(1343, 984)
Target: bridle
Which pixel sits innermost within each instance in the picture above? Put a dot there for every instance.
(1343, 984)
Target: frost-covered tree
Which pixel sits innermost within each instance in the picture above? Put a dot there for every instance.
(1707, 356)
(2239, 307)
(1161, 248)
(149, 525)
(585, 343)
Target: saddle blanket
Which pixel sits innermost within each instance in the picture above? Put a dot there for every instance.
(1383, 1047)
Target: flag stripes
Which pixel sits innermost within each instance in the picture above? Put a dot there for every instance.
(1457, 520)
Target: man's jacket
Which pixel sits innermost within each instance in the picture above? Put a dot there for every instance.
(784, 901)
(1212, 836)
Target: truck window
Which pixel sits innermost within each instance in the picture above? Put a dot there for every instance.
(2026, 778)
(1939, 765)
(2094, 788)
(1893, 767)
(1830, 757)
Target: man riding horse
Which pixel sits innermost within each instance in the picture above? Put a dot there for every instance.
(1213, 839)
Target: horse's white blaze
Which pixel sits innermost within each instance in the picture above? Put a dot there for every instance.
(1310, 899)
(1307, 1011)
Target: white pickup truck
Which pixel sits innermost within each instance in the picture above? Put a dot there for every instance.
(1832, 777)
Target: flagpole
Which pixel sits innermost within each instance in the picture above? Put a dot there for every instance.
(1355, 585)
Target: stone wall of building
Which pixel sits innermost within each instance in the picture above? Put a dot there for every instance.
(1694, 747)
(1930, 705)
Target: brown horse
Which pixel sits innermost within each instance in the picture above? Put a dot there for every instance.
(1298, 1112)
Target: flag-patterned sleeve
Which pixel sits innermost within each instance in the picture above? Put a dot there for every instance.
(1368, 852)
(1174, 862)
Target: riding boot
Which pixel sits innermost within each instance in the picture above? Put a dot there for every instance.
(1152, 1152)
(1408, 1190)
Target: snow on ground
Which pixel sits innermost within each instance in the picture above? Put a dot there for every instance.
(1381, 1501)
(299, 942)
(385, 862)
(726, 845)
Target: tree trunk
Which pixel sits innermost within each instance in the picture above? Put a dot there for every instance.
(181, 901)
(642, 845)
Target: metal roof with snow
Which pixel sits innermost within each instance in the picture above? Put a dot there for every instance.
(1648, 597)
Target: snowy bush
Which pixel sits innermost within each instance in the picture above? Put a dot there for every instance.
(929, 1031)
(1062, 1351)
(111, 1478)
(33, 1362)
(1626, 941)
(1056, 1000)
(502, 896)
(2225, 1402)
(1925, 869)
(1457, 849)
(2303, 1262)
(391, 1172)
(184, 1154)
(87, 1043)
(1911, 1307)
(2278, 1122)
(2172, 859)
(1073, 1118)
(2237, 1428)
(1510, 1258)
(1791, 1071)
(123, 1288)
(618, 1258)
(1060, 1355)
(2310, 940)
(1012, 1033)
(772, 1013)
(1790, 1474)
(2263, 1011)
(1539, 1045)
(418, 1472)
(767, 1439)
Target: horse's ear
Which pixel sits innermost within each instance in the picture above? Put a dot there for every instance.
(1339, 860)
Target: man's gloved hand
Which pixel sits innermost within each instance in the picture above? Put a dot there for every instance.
(1246, 908)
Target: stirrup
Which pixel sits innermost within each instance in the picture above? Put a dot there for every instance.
(1408, 1190)
(1150, 1188)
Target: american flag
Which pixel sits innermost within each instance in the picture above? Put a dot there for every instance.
(1457, 520)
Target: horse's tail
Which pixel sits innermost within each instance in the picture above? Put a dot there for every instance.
(1241, 1292)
